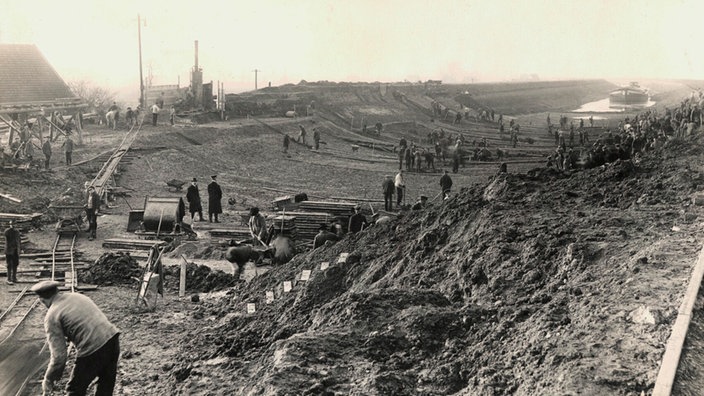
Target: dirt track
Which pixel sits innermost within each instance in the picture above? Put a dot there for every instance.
(518, 285)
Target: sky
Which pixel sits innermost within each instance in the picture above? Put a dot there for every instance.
(457, 41)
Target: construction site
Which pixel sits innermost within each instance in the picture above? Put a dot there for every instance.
(525, 280)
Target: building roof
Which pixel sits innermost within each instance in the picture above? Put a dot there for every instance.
(28, 81)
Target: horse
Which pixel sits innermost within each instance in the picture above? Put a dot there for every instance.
(111, 118)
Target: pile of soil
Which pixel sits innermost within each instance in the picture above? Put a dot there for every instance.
(112, 269)
(529, 284)
(199, 278)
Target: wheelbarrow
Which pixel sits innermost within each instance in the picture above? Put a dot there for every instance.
(177, 185)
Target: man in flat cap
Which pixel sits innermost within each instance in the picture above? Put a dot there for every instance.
(323, 236)
(214, 197)
(193, 198)
(12, 252)
(75, 317)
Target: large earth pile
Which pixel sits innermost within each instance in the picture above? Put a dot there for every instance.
(530, 284)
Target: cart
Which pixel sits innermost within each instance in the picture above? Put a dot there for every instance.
(177, 185)
(71, 218)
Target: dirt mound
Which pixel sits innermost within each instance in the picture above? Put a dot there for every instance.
(199, 278)
(112, 269)
(199, 250)
(496, 292)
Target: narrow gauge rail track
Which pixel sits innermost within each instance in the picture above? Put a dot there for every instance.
(22, 345)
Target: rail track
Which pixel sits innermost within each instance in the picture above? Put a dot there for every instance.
(22, 347)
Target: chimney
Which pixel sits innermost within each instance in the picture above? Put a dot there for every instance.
(196, 55)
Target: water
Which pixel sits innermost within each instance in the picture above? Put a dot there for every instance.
(602, 106)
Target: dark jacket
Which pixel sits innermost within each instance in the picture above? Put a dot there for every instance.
(214, 197)
(357, 220)
(388, 187)
(445, 182)
(193, 198)
(322, 237)
(12, 241)
(46, 148)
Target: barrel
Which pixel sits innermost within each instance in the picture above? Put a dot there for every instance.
(164, 208)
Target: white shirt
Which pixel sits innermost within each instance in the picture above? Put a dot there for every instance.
(155, 109)
(399, 180)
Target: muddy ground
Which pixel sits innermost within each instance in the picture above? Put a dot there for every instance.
(530, 283)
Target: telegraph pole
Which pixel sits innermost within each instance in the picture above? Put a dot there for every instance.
(256, 71)
(141, 78)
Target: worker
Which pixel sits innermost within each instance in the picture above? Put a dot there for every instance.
(129, 117)
(155, 113)
(400, 185)
(257, 227)
(193, 198)
(316, 137)
(92, 206)
(302, 135)
(445, 184)
(240, 255)
(421, 203)
(76, 318)
(12, 252)
(388, 188)
(214, 197)
(323, 236)
(46, 150)
(287, 142)
(68, 150)
(172, 115)
(358, 221)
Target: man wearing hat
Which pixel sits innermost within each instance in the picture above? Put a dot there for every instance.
(257, 227)
(75, 317)
(214, 197)
(193, 198)
(323, 236)
(92, 206)
(12, 252)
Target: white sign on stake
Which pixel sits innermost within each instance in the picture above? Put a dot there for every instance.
(324, 265)
(305, 275)
(287, 286)
(251, 308)
(269, 297)
(343, 258)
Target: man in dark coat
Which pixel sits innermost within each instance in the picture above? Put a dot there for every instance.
(214, 197)
(46, 150)
(357, 221)
(388, 188)
(323, 236)
(193, 198)
(12, 252)
(92, 207)
(445, 184)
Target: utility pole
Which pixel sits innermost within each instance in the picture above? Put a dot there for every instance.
(256, 71)
(141, 79)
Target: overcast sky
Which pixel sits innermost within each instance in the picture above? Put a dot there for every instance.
(360, 40)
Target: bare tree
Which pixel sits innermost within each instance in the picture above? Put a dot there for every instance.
(97, 98)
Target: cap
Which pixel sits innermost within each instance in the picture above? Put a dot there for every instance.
(323, 226)
(213, 176)
(45, 286)
(194, 180)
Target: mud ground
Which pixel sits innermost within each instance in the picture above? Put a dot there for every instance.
(530, 283)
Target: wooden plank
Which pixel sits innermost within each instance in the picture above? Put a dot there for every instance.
(673, 351)
(10, 198)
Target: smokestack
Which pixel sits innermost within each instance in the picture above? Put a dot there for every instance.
(196, 55)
